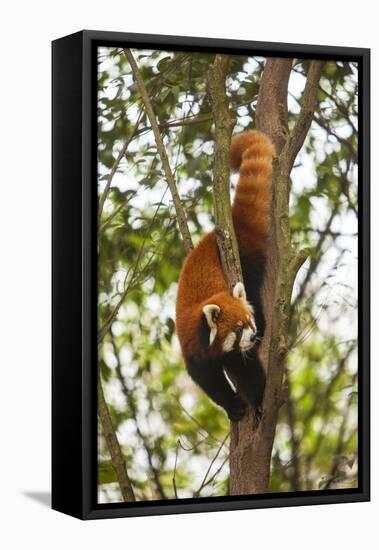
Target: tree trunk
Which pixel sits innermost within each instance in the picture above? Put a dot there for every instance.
(252, 442)
(250, 451)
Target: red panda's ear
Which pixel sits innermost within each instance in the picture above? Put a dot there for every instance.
(211, 312)
(239, 292)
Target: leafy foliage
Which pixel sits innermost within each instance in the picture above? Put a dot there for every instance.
(175, 441)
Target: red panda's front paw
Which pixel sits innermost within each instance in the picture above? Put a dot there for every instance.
(237, 409)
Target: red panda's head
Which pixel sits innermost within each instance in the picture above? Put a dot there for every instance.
(231, 322)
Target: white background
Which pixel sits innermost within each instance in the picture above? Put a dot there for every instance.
(27, 29)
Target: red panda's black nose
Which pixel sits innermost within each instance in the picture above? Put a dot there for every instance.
(253, 337)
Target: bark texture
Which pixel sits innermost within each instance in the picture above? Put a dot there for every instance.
(180, 214)
(226, 237)
(113, 445)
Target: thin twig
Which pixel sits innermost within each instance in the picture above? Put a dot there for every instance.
(196, 421)
(182, 220)
(193, 119)
(325, 125)
(130, 401)
(116, 211)
(153, 86)
(213, 477)
(303, 122)
(195, 446)
(114, 448)
(315, 257)
(342, 108)
(197, 493)
(340, 441)
(174, 474)
(294, 440)
(116, 163)
(103, 330)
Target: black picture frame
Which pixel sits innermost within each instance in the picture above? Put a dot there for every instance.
(74, 295)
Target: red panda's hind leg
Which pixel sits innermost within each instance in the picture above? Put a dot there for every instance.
(209, 375)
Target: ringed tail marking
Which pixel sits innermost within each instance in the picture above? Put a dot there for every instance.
(251, 154)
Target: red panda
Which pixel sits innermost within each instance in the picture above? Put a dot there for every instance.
(219, 330)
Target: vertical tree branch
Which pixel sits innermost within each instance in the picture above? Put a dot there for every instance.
(272, 110)
(251, 444)
(226, 238)
(303, 122)
(182, 220)
(251, 448)
(114, 446)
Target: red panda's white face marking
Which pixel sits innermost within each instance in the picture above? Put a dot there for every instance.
(231, 323)
(228, 343)
(242, 338)
(211, 312)
(247, 339)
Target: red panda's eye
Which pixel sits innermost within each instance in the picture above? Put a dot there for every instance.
(238, 329)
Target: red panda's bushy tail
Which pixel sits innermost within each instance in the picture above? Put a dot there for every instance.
(251, 154)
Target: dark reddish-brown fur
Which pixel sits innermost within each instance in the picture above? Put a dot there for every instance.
(202, 280)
